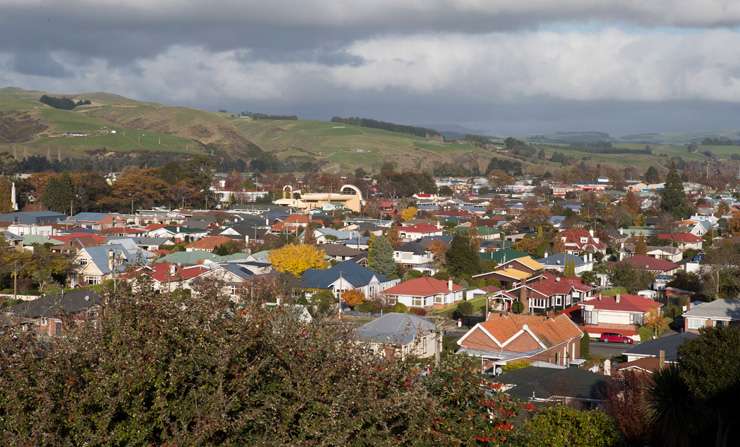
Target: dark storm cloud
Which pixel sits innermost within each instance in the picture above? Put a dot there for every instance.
(507, 66)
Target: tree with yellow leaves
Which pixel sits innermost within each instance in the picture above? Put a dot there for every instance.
(353, 297)
(297, 258)
(656, 322)
(408, 213)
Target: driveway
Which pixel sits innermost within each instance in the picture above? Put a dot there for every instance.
(607, 350)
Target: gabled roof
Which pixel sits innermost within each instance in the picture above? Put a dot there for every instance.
(680, 237)
(57, 305)
(544, 383)
(550, 285)
(513, 273)
(645, 262)
(412, 247)
(548, 331)
(350, 271)
(720, 309)
(422, 228)
(528, 262)
(340, 250)
(560, 259)
(424, 286)
(395, 328)
(668, 344)
(503, 255)
(209, 242)
(625, 303)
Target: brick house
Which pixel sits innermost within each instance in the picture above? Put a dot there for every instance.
(504, 338)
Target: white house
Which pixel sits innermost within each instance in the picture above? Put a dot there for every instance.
(425, 292)
(414, 255)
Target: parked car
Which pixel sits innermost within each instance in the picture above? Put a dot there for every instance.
(612, 337)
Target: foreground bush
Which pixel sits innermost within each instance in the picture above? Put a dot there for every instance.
(171, 369)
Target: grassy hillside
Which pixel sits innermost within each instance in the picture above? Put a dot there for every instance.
(114, 124)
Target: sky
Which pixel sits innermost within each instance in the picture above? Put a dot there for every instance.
(504, 67)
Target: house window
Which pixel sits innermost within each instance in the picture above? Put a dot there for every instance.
(417, 302)
(439, 299)
(636, 318)
(696, 323)
(558, 300)
(232, 290)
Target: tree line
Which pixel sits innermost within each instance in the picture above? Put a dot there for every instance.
(63, 103)
(384, 125)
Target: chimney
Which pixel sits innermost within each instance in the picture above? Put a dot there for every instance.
(661, 359)
(110, 259)
(591, 232)
(449, 285)
(618, 298)
(607, 367)
(173, 269)
(177, 228)
(523, 298)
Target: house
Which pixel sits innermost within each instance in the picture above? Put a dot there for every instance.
(557, 262)
(579, 240)
(504, 338)
(93, 221)
(712, 314)
(418, 231)
(506, 277)
(93, 265)
(424, 292)
(234, 279)
(208, 243)
(621, 314)
(414, 255)
(38, 218)
(652, 265)
(525, 264)
(165, 277)
(339, 253)
(684, 241)
(672, 254)
(330, 235)
(347, 275)
(248, 230)
(46, 315)
(552, 292)
(668, 345)
(574, 387)
(349, 197)
(397, 335)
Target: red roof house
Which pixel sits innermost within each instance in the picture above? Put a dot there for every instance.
(621, 314)
(424, 292)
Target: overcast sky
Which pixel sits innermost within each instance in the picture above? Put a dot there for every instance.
(500, 66)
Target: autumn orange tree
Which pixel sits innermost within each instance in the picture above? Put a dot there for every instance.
(297, 258)
(353, 297)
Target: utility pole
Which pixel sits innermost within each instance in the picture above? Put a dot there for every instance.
(15, 280)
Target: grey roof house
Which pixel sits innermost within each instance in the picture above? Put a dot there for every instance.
(401, 335)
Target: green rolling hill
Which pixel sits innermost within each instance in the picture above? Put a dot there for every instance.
(114, 125)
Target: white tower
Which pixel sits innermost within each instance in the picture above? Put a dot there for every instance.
(13, 201)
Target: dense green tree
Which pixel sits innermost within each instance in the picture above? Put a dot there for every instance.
(710, 367)
(675, 415)
(5, 189)
(562, 426)
(59, 194)
(585, 346)
(462, 258)
(652, 175)
(226, 374)
(570, 268)
(624, 275)
(380, 256)
(673, 198)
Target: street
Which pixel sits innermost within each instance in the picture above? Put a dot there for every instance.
(607, 350)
